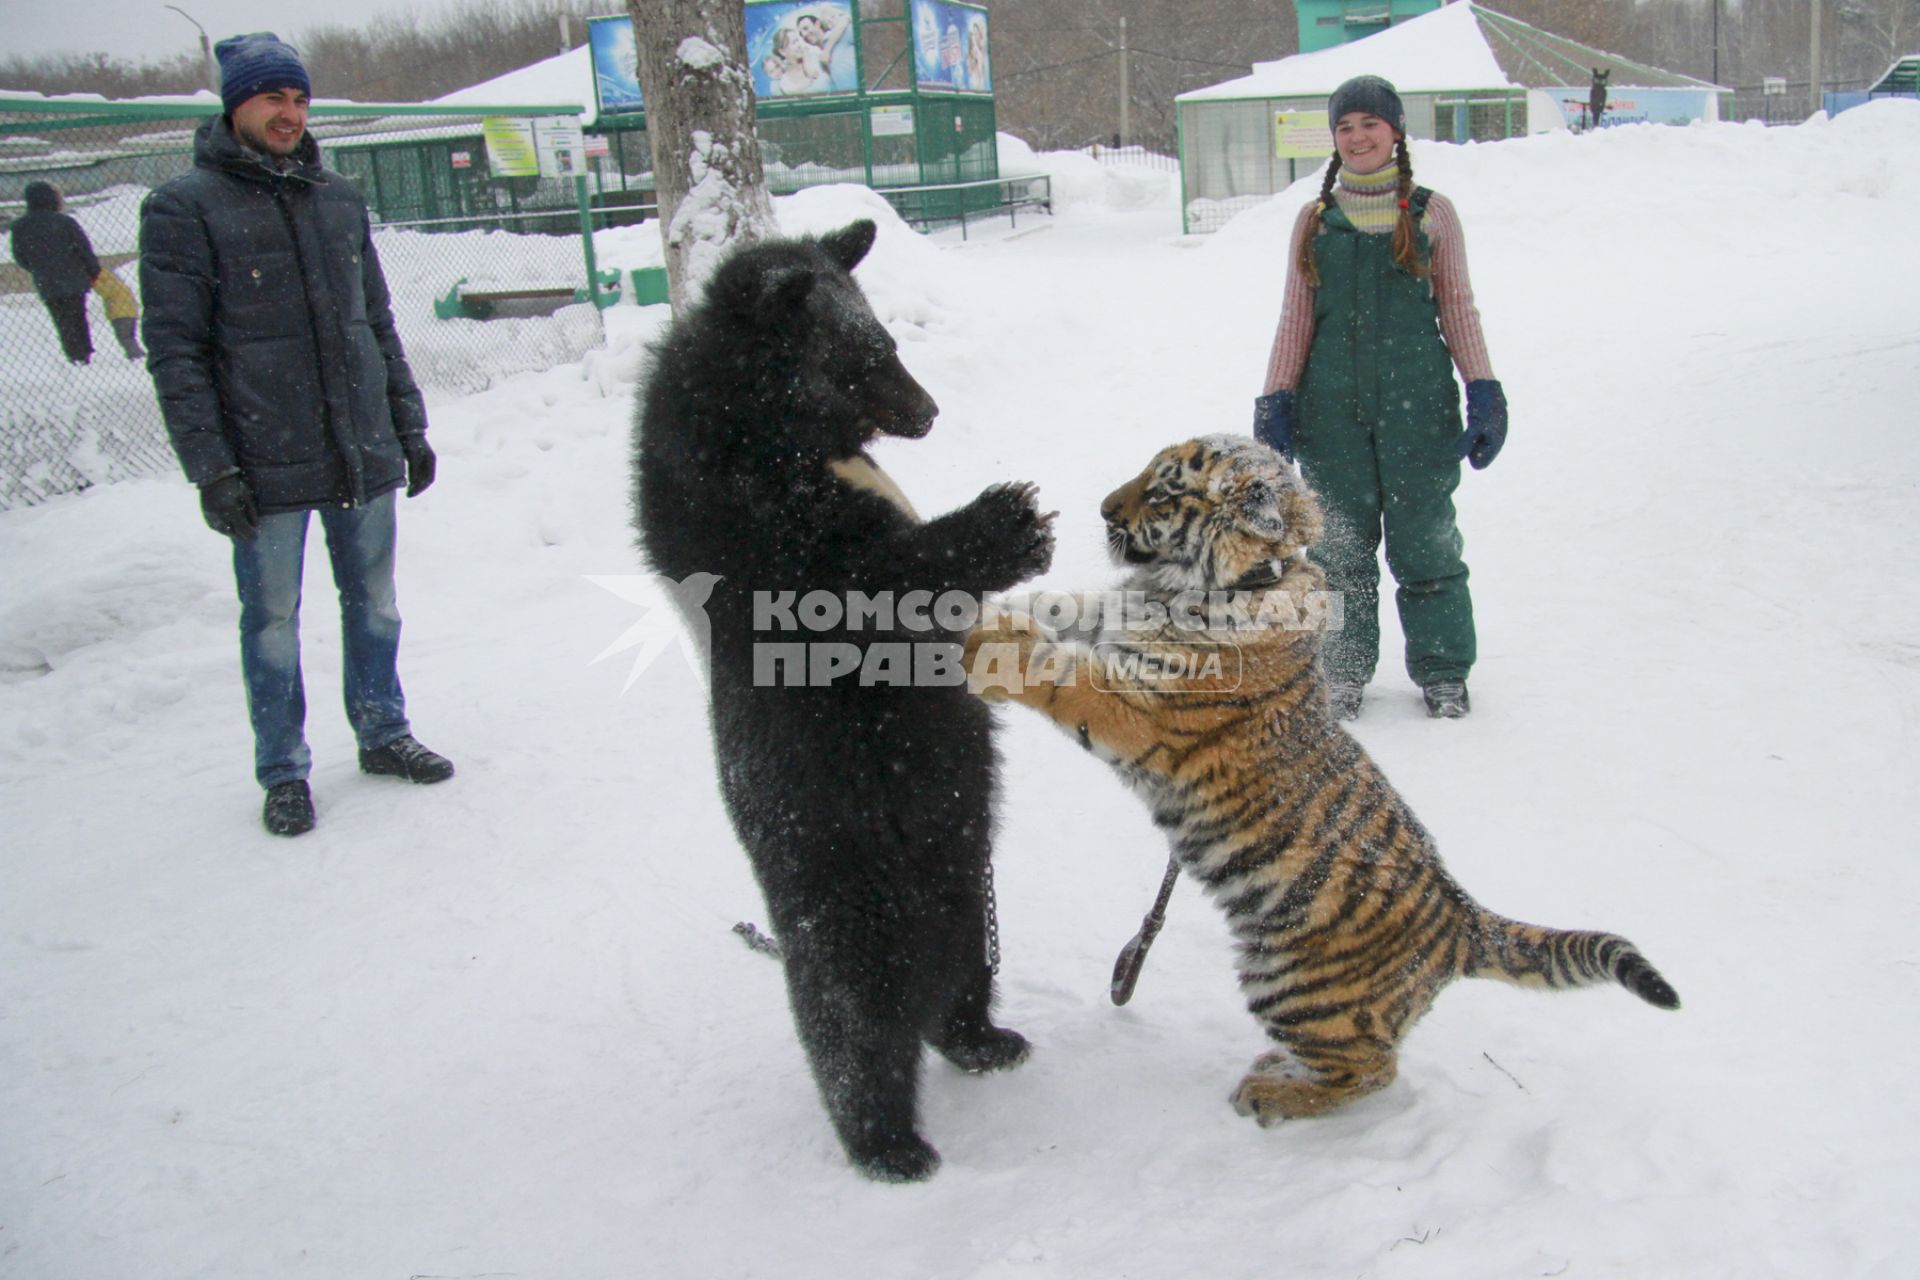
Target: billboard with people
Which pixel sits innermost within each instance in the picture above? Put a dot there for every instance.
(950, 46)
(795, 48)
(802, 48)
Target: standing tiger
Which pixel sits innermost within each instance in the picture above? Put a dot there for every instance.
(1206, 694)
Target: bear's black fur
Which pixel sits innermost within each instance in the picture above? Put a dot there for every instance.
(866, 809)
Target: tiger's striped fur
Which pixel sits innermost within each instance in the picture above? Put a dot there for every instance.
(1347, 924)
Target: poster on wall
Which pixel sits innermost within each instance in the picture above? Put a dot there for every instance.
(950, 46)
(892, 122)
(561, 146)
(1301, 135)
(616, 64)
(802, 48)
(510, 149)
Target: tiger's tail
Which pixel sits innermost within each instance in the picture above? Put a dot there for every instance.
(1528, 955)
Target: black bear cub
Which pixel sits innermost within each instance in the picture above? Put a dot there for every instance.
(863, 797)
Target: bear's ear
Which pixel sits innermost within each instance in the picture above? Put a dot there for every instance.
(850, 243)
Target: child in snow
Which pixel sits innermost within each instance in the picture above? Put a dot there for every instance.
(123, 313)
(1377, 314)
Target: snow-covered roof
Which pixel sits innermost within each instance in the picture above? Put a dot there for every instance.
(1459, 46)
(203, 99)
(471, 101)
(564, 79)
(1902, 77)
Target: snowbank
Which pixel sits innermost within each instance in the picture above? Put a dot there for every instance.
(501, 1025)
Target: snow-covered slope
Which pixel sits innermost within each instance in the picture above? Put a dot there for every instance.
(500, 1027)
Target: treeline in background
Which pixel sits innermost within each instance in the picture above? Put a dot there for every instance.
(1057, 63)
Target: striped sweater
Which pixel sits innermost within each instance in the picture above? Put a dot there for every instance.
(1370, 203)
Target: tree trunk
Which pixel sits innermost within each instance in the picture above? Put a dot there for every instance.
(698, 98)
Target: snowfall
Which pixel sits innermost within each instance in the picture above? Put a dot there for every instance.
(502, 1027)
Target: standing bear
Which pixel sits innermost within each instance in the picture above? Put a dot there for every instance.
(862, 793)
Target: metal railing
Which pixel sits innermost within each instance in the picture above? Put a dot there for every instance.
(945, 203)
(1131, 157)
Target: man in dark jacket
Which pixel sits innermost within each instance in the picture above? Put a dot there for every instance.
(56, 253)
(285, 391)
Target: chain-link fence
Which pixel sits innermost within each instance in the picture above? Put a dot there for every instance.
(499, 288)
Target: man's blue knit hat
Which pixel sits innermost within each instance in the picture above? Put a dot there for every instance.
(257, 63)
(1371, 94)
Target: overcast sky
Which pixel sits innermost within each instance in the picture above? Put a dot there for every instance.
(147, 29)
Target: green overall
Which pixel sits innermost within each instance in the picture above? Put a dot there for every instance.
(1377, 430)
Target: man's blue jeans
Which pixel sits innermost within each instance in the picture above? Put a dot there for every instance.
(267, 570)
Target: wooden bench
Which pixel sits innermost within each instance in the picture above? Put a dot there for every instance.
(544, 300)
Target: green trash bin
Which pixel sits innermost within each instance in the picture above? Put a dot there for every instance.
(649, 285)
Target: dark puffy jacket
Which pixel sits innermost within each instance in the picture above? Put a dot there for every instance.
(53, 249)
(269, 332)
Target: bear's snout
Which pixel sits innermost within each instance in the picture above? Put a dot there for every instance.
(899, 406)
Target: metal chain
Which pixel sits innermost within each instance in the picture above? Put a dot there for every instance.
(993, 925)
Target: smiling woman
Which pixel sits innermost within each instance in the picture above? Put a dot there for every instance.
(1378, 312)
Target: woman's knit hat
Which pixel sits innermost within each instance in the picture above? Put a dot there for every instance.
(258, 63)
(1371, 94)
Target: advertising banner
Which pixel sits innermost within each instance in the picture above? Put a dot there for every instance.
(616, 64)
(1301, 135)
(561, 146)
(510, 149)
(802, 48)
(950, 46)
(1634, 106)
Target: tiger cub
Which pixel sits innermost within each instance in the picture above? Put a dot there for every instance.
(1213, 705)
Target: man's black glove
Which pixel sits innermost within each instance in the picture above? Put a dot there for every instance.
(420, 464)
(228, 507)
(1273, 421)
(1486, 423)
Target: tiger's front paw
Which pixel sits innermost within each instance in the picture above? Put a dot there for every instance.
(996, 655)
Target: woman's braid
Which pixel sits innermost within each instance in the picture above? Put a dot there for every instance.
(1406, 232)
(1309, 272)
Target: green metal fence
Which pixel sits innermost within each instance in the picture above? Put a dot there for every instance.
(446, 229)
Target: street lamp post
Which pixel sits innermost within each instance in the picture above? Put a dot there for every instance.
(207, 68)
(1716, 41)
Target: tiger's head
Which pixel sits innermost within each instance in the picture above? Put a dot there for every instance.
(1215, 513)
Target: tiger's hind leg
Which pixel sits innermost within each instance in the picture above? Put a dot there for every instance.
(1283, 1085)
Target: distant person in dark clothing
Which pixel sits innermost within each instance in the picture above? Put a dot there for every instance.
(54, 250)
(285, 391)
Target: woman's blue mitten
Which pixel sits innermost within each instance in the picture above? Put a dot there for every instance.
(1486, 422)
(1273, 421)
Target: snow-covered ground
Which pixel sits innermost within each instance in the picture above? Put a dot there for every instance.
(500, 1027)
